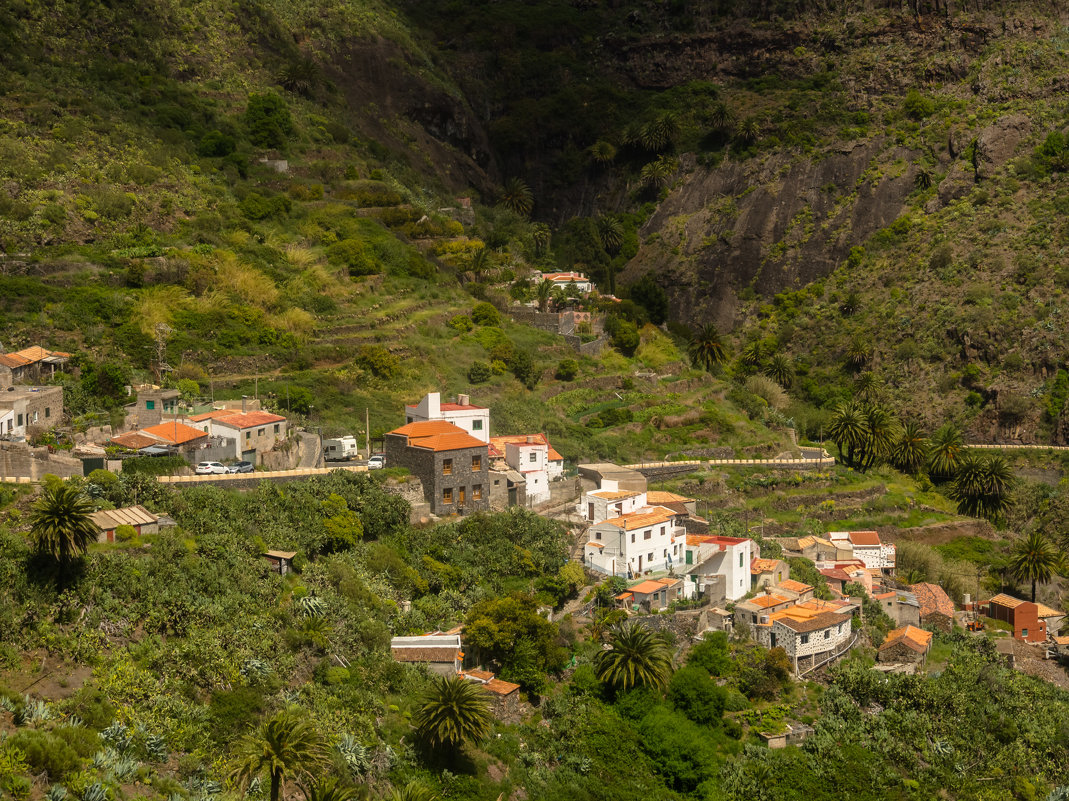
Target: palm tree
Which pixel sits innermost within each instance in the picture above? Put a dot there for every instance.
(867, 386)
(637, 658)
(540, 237)
(911, 450)
(610, 234)
(881, 436)
(516, 196)
(848, 430)
(859, 353)
(752, 354)
(60, 523)
(543, 294)
(945, 452)
(286, 746)
(924, 178)
(452, 711)
(982, 486)
(705, 348)
(748, 130)
(1035, 560)
(656, 174)
(720, 117)
(660, 132)
(602, 152)
(780, 370)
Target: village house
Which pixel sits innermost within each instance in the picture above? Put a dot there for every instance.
(185, 439)
(1031, 622)
(905, 645)
(475, 420)
(601, 504)
(151, 406)
(452, 465)
(758, 609)
(504, 695)
(815, 549)
(441, 653)
(936, 608)
(655, 594)
(810, 633)
(528, 456)
(766, 572)
(563, 280)
(247, 435)
(30, 364)
(554, 461)
(866, 546)
(801, 591)
(26, 411)
(901, 606)
(140, 519)
(718, 562)
(649, 539)
(677, 503)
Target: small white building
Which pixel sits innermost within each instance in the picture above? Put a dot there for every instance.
(867, 547)
(463, 414)
(531, 460)
(562, 280)
(649, 539)
(599, 505)
(554, 461)
(728, 557)
(7, 422)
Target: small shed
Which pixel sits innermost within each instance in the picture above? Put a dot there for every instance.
(441, 653)
(504, 695)
(281, 561)
(138, 517)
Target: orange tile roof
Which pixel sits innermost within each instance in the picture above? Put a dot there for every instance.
(763, 565)
(645, 516)
(864, 537)
(933, 598)
(1045, 611)
(12, 361)
(250, 419)
(426, 428)
(1061, 640)
(482, 675)
(765, 601)
(501, 687)
(656, 496)
(497, 444)
(175, 432)
(1008, 601)
(819, 621)
(911, 636)
(794, 586)
(214, 414)
(651, 586)
(623, 596)
(35, 353)
(883, 596)
(615, 495)
(134, 441)
(596, 544)
(446, 442)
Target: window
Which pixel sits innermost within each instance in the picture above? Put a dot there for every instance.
(447, 467)
(476, 425)
(740, 559)
(48, 411)
(408, 419)
(827, 634)
(597, 535)
(276, 428)
(35, 415)
(647, 534)
(632, 537)
(447, 495)
(150, 404)
(20, 421)
(805, 639)
(662, 531)
(1024, 632)
(260, 432)
(477, 492)
(533, 457)
(476, 463)
(248, 435)
(651, 556)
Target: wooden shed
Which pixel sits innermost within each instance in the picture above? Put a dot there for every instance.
(281, 561)
(137, 517)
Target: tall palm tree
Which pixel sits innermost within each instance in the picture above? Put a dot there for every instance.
(945, 452)
(848, 430)
(543, 292)
(880, 440)
(602, 152)
(452, 711)
(706, 349)
(637, 658)
(752, 354)
(516, 195)
(867, 386)
(610, 234)
(859, 353)
(1036, 560)
(60, 525)
(287, 747)
(911, 449)
(982, 486)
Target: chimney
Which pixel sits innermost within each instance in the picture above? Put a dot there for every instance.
(464, 400)
(532, 439)
(244, 403)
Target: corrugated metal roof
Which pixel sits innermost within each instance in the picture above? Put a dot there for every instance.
(126, 516)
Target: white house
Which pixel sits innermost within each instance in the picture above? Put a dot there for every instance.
(599, 505)
(249, 433)
(706, 556)
(648, 539)
(7, 422)
(562, 280)
(867, 547)
(531, 460)
(463, 414)
(554, 461)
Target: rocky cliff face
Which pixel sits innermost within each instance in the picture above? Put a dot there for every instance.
(769, 224)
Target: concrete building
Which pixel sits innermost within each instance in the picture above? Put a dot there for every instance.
(564, 280)
(655, 594)
(718, 561)
(452, 464)
(252, 434)
(26, 411)
(901, 606)
(608, 476)
(530, 458)
(475, 420)
(151, 406)
(758, 609)
(767, 572)
(866, 546)
(441, 653)
(599, 505)
(649, 539)
(554, 461)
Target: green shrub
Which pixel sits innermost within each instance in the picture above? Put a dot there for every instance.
(485, 314)
(216, 144)
(916, 106)
(233, 711)
(461, 323)
(369, 194)
(257, 207)
(567, 370)
(377, 360)
(355, 255)
(45, 752)
(268, 120)
(103, 479)
(125, 533)
(479, 372)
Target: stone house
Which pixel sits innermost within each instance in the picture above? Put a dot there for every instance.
(441, 653)
(185, 439)
(655, 594)
(250, 434)
(936, 608)
(901, 606)
(30, 364)
(504, 695)
(815, 549)
(866, 546)
(905, 645)
(137, 517)
(152, 404)
(801, 591)
(809, 633)
(27, 411)
(281, 561)
(759, 609)
(452, 464)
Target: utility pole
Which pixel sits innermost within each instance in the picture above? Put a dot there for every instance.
(256, 388)
(367, 431)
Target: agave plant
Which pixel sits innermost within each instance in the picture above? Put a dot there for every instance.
(123, 768)
(156, 747)
(33, 712)
(95, 792)
(74, 722)
(104, 759)
(255, 669)
(7, 704)
(355, 754)
(57, 792)
(310, 606)
(118, 736)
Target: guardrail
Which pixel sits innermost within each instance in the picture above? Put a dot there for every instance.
(1021, 447)
(822, 462)
(267, 475)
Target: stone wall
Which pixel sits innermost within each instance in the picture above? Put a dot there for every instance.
(18, 460)
(687, 626)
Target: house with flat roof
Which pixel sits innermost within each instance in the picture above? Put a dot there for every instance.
(554, 461)
(650, 538)
(465, 415)
(866, 546)
(26, 411)
(720, 566)
(599, 505)
(529, 458)
(901, 606)
(452, 465)
(565, 279)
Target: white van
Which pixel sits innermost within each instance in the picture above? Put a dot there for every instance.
(341, 449)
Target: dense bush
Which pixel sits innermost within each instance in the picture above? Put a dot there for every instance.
(268, 121)
(567, 370)
(485, 314)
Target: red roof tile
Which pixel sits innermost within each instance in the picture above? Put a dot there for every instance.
(933, 598)
(250, 420)
(134, 441)
(174, 432)
(864, 538)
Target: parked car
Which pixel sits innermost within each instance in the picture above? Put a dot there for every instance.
(241, 467)
(210, 468)
(376, 462)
